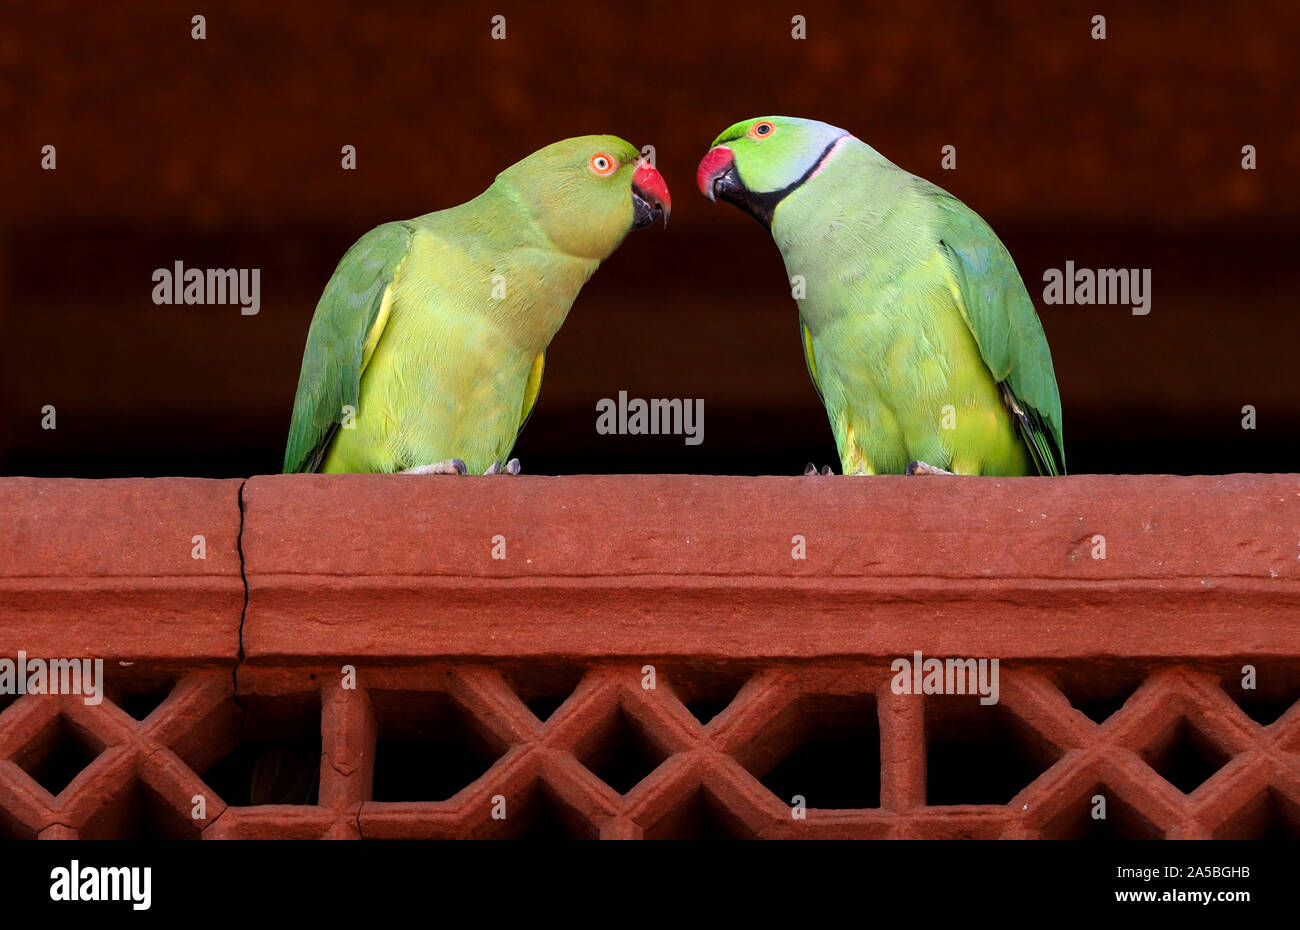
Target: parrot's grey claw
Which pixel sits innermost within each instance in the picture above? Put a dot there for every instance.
(493, 469)
(509, 468)
(921, 468)
(448, 467)
(512, 467)
(811, 469)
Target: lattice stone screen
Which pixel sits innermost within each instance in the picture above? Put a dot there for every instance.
(648, 660)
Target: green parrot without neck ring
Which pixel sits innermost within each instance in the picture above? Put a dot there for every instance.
(917, 329)
(428, 344)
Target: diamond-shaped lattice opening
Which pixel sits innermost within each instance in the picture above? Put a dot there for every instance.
(57, 754)
(825, 749)
(1184, 756)
(700, 817)
(619, 752)
(1276, 691)
(543, 689)
(978, 753)
(706, 692)
(429, 747)
(541, 815)
(1099, 691)
(278, 754)
(1100, 814)
(1269, 815)
(137, 812)
(142, 696)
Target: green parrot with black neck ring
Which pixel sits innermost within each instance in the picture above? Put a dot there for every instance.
(918, 332)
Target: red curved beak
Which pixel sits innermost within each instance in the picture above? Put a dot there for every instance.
(713, 166)
(650, 186)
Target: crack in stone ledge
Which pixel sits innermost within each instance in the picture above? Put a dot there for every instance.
(243, 613)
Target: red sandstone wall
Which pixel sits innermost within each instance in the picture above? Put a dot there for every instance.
(522, 681)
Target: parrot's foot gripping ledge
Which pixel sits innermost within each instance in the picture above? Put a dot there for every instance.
(652, 656)
(448, 467)
(924, 468)
(457, 467)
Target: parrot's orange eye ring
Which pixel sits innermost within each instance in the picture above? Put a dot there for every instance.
(762, 130)
(602, 164)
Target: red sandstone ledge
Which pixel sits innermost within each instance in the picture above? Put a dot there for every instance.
(108, 568)
(402, 567)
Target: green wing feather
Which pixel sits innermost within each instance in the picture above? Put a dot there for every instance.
(810, 359)
(532, 388)
(340, 341)
(1006, 328)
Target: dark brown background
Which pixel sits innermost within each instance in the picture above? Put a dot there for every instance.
(225, 153)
